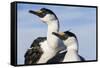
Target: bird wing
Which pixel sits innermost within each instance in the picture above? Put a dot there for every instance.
(58, 57)
(34, 53)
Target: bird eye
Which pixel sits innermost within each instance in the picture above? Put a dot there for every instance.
(66, 36)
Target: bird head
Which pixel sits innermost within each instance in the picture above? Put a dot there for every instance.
(68, 37)
(44, 14)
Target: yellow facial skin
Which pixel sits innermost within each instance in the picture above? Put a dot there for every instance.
(61, 33)
(39, 11)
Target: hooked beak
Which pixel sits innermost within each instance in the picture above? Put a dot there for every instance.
(59, 35)
(38, 13)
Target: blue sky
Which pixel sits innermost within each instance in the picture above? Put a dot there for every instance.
(80, 20)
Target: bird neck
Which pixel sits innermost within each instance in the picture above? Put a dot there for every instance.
(72, 45)
(72, 48)
(51, 39)
(53, 26)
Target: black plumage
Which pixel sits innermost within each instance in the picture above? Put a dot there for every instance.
(59, 57)
(33, 54)
(82, 59)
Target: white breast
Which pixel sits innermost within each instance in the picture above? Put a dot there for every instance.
(72, 50)
(71, 56)
(48, 53)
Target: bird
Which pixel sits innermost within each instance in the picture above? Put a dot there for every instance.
(71, 42)
(44, 48)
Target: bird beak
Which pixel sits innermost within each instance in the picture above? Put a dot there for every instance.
(38, 13)
(59, 35)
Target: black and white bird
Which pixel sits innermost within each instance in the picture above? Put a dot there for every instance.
(71, 42)
(44, 48)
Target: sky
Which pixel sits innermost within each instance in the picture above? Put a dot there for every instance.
(79, 20)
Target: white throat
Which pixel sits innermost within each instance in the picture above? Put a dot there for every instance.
(71, 44)
(53, 26)
(52, 40)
